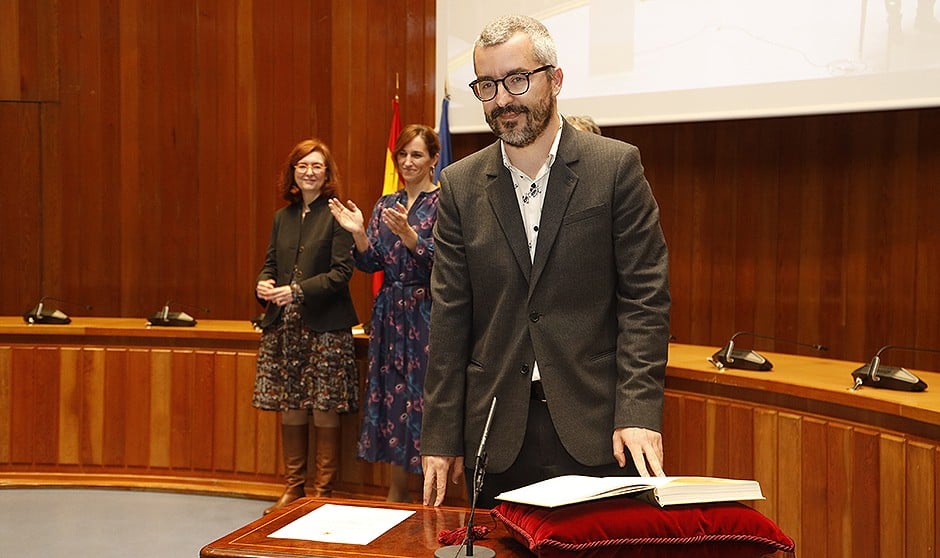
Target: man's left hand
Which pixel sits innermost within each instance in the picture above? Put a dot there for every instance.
(645, 447)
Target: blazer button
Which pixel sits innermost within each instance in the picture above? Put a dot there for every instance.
(524, 370)
(300, 250)
(534, 317)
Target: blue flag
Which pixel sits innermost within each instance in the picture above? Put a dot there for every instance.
(447, 155)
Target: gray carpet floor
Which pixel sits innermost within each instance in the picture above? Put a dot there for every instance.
(92, 523)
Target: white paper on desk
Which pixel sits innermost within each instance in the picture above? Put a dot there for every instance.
(333, 523)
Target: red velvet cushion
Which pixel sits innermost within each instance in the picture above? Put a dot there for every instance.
(629, 527)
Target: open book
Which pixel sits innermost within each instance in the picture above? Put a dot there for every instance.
(664, 491)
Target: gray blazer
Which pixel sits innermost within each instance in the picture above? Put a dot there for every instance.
(592, 309)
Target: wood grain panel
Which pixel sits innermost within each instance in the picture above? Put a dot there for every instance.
(27, 72)
(70, 406)
(839, 486)
(225, 402)
(893, 487)
(865, 503)
(137, 420)
(6, 403)
(921, 501)
(814, 483)
(159, 128)
(20, 215)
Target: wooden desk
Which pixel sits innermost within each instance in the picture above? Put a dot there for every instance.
(108, 402)
(416, 536)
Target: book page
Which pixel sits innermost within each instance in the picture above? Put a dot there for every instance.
(569, 489)
(342, 524)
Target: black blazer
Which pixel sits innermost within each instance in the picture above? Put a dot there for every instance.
(322, 251)
(592, 309)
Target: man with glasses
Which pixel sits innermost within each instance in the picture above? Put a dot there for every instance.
(550, 289)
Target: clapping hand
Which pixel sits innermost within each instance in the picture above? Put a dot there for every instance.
(349, 216)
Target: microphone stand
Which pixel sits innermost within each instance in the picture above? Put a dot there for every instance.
(479, 471)
(728, 357)
(889, 377)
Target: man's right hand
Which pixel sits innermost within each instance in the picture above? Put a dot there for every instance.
(435, 476)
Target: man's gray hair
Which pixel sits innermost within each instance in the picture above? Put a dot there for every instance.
(503, 28)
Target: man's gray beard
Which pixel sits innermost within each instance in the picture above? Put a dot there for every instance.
(537, 121)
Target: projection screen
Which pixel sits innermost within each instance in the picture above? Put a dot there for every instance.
(650, 61)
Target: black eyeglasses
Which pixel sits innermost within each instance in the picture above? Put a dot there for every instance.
(515, 84)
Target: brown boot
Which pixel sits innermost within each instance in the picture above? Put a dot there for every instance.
(294, 440)
(327, 460)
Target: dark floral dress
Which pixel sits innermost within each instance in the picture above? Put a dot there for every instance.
(398, 344)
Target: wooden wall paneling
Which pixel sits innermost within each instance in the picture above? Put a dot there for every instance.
(137, 419)
(893, 495)
(790, 478)
(927, 285)
(808, 260)
(268, 453)
(20, 219)
(672, 428)
(114, 408)
(94, 362)
(865, 502)
(748, 217)
(694, 441)
(182, 395)
(789, 234)
(202, 408)
(247, 428)
(839, 487)
(833, 187)
(10, 25)
(224, 404)
(46, 381)
(936, 509)
(899, 168)
(256, 201)
(814, 473)
(741, 423)
(702, 247)
(717, 443)
(27, 39)
(921, 500)
(135, 212)
(33, 428)
(6, 403)
(70, 406)
(765, 461)
(160, 364)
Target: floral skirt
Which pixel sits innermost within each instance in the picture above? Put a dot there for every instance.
(299, 368)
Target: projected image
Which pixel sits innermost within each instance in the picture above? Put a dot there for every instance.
(727, 58)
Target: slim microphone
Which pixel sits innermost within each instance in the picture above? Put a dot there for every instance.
(42, 315)
(479, 471)
(729, 357)
(165, 318)
(889, 377)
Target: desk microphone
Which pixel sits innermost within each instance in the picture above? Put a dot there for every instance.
(42, 315)
(729, 357)
(889, 377)
(479, 471)
(165, 318)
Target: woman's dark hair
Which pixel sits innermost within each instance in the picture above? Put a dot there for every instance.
(288, 187)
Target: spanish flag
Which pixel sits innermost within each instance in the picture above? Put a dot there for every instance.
(393, 180)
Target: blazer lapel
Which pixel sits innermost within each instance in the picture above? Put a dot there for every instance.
(502, 198)
(561, 184)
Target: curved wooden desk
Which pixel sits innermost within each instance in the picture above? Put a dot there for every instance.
(109, 402)
(844, 473)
